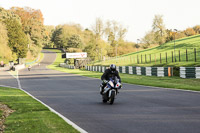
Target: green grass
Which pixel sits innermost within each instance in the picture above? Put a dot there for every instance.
(167, 82)
(33, 61)
(30, 116)
(181, 44)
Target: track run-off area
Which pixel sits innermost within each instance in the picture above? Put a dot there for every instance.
(137, 109)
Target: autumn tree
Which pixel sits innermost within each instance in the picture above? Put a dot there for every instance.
(56, 36)
(89, 40)
(197, 29)
(148, 39)
(5, 51)
(91, 49)
(17, 41)
(7, 14)
(189, 32)
(75, 41)
(48, 33)
(101, 46)
(32, 23)
(63, 33)
(98, 28)
(115, 34)
(169, 35)
(159, 30)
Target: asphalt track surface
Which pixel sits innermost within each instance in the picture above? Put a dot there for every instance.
(6, 79)
(137, 109)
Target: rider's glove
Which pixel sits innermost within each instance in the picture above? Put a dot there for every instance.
(105, 81)
(120, 86)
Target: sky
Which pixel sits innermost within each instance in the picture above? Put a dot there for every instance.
(135, 15)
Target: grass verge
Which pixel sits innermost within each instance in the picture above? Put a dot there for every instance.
(166, 82)
(33, 61)
(152, 56)
(30, 115)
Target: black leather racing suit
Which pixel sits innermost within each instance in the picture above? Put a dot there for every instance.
(107, 75)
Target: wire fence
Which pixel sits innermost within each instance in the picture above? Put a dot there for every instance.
(186, 55)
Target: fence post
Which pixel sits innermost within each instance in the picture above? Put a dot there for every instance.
(186, 55)
(150, 58)
(166, 57)
(145, 59)
(130, 59)
(137, 59)
(172, 57)
(141, 58)
(160, 58)
(195, 55)
(179, 56)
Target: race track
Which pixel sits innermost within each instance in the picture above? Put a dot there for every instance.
(137, 109)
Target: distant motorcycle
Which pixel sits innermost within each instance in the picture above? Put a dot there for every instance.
(29, 68)
(111, 90)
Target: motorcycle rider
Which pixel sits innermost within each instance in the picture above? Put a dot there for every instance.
(29, 67)
(109, 73)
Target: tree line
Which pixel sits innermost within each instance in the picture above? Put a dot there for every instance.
(103, 39)
(23, 33)
(159, 35)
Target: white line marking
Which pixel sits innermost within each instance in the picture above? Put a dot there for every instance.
(152, 86)
(63, 117)
(165, 88)
(8, 86)
(51, 109)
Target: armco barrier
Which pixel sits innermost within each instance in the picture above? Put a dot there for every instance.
(190, 72)
(66, 66)
(19, 67)
(148, 71)
(185, 72)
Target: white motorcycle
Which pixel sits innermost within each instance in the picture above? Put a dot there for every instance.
(111, 90)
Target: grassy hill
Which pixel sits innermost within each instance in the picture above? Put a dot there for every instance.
(162, 55)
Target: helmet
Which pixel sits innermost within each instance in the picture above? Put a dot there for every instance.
(112, 68)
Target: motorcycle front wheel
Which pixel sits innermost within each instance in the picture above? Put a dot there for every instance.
(112, 97)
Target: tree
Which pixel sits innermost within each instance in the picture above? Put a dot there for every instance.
(18, 41)
(32, 25)
(159, 29)
(114, 31)
(63, 33)
(98, 28)
(6, 14)
(115, 34)
(169, 35)
(189, 32)
(47, 36)
(197, 29)
(5, 51)
(148, 39)
(56, 37)
(75, 41)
